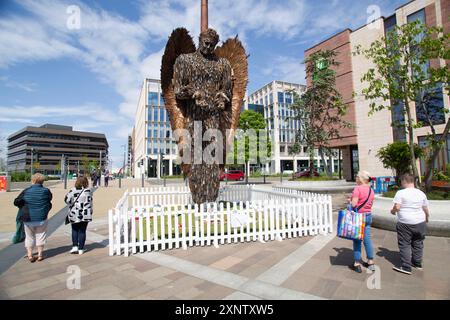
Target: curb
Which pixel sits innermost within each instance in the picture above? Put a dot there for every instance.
(434, 228)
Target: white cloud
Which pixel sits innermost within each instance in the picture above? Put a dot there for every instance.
(88, 111)
(286, 68)
(9, 83)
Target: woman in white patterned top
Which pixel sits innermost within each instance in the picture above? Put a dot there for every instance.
(79, 200)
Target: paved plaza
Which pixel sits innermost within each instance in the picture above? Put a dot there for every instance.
(298, 268)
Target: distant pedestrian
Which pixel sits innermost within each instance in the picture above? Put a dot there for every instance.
(79, 200)
(94, 179)
(362, 199)
(106, 178)
(411, 208)
(35, 204)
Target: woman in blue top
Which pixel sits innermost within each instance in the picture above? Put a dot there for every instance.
(35, 203)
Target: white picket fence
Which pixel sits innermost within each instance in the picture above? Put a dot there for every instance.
(153, 219)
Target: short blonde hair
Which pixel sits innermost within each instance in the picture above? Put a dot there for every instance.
(364, 176)
(37, 178)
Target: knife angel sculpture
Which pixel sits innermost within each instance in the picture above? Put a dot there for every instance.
(203, 92)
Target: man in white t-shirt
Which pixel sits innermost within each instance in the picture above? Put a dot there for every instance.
(411, 207)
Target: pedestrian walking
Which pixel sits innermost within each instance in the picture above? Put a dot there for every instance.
(94, 179)
(411, 208)
(362, 199)
(79, 199)
(106, 178)
(34, 205)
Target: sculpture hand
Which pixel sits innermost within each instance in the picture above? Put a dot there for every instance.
(199, 97)
(220, 99)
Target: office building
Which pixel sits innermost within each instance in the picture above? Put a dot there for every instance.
(273, 101)
(155, 151)
(361, 143)
(48, 144)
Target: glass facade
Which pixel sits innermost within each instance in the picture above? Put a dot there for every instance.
(397, 110)
(159, 132)
(153, 98)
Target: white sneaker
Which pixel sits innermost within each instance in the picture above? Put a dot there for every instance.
(80, 251)
(74, 250)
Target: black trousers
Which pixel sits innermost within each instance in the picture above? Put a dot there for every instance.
(410, 243)
(79, 234)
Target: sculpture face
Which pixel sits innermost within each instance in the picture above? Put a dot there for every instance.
(206, 46)
(207, 42)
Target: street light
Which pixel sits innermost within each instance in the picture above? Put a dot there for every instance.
(161, 168)
(32, 156)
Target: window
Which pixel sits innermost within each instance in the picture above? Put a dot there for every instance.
(271, 98)
(431, 104)
(161, 100)
(280, 97)
(161, 115)
(288, 96)
(153, 98)
(419, 16)
(155, 114)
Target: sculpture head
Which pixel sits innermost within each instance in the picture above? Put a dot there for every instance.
(207, 42)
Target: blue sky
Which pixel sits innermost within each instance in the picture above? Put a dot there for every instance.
(90, 77)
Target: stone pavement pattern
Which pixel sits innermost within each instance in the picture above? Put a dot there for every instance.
(299, 268)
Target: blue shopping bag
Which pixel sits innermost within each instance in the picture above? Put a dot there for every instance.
(351, 224)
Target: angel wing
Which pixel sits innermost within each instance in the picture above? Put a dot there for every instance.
(234, 52)
(179, 42)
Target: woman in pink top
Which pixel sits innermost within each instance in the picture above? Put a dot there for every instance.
(362, 199)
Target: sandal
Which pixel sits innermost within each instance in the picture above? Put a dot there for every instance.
(370, 266)
(40, 258)
(31, 259)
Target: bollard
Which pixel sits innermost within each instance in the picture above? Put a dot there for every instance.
(142, 181)
(264, 178)
(120, 181)
(164, 180)
(65, 181)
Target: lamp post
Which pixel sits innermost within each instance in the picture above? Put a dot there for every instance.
(161, 168)
(32, 156)
(100, 170)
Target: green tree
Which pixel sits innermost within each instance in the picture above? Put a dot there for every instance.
(295, 149)
(320, 109)
(250, 119)
(85, 165)
(58, 166)
(401, 76)
(397, 156)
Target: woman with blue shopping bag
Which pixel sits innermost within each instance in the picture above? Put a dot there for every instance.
(355, 222)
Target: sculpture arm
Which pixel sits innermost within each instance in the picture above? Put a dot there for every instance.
(182, 88)
(224, 94)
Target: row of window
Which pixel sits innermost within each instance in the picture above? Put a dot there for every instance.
(157, 114)
(282, 97)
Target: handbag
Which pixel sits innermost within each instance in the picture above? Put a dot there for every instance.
(23, 215)
(351, 224)
(19, 235)
(73, 204)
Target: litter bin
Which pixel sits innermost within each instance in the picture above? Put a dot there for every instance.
(5, 183)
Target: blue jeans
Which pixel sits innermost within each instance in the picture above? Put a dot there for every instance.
(357, 244)
(79, 234)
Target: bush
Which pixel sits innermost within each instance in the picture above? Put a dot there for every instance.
(20, 176)
(440, 176)
(397, 156)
